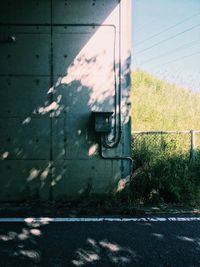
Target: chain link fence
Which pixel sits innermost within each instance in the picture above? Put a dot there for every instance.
(166, 167)
(167, 143)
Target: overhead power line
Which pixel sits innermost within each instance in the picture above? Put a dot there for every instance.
(177, 49)
(167, 29)
(178, 59)
(167, 39)
(143, 26)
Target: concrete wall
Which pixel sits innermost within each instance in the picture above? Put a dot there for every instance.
(59, 61)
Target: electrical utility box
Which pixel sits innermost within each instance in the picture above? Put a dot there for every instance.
(61, 62)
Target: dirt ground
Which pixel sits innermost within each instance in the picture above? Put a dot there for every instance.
(88, 207)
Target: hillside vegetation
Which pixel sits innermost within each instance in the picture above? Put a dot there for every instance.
(159, 105)
(164, 170)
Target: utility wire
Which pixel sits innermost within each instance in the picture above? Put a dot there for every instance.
(177, 49)
(178, 59)
(167, 39)
(143, 26)
(167, 29)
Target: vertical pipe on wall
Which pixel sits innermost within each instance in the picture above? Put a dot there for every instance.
(51, 101)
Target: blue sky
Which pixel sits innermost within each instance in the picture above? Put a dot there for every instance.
(166, 40)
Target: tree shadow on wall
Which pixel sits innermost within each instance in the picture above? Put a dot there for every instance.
(46, 132)
(60, 129)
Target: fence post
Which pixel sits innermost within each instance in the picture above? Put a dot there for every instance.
(193, 145)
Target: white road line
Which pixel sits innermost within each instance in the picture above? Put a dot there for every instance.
(100, 219)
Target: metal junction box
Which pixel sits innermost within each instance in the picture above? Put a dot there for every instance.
(102, 121)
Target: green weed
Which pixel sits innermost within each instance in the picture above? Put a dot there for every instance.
(163, 169)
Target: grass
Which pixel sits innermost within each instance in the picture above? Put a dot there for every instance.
(159, 105)
(163, 171)
(164, 174)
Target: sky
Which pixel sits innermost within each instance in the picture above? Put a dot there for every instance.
(166, 40)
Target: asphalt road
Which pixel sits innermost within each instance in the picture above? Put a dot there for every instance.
(63, 244)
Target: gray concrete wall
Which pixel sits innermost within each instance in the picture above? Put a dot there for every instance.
(59, 61)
